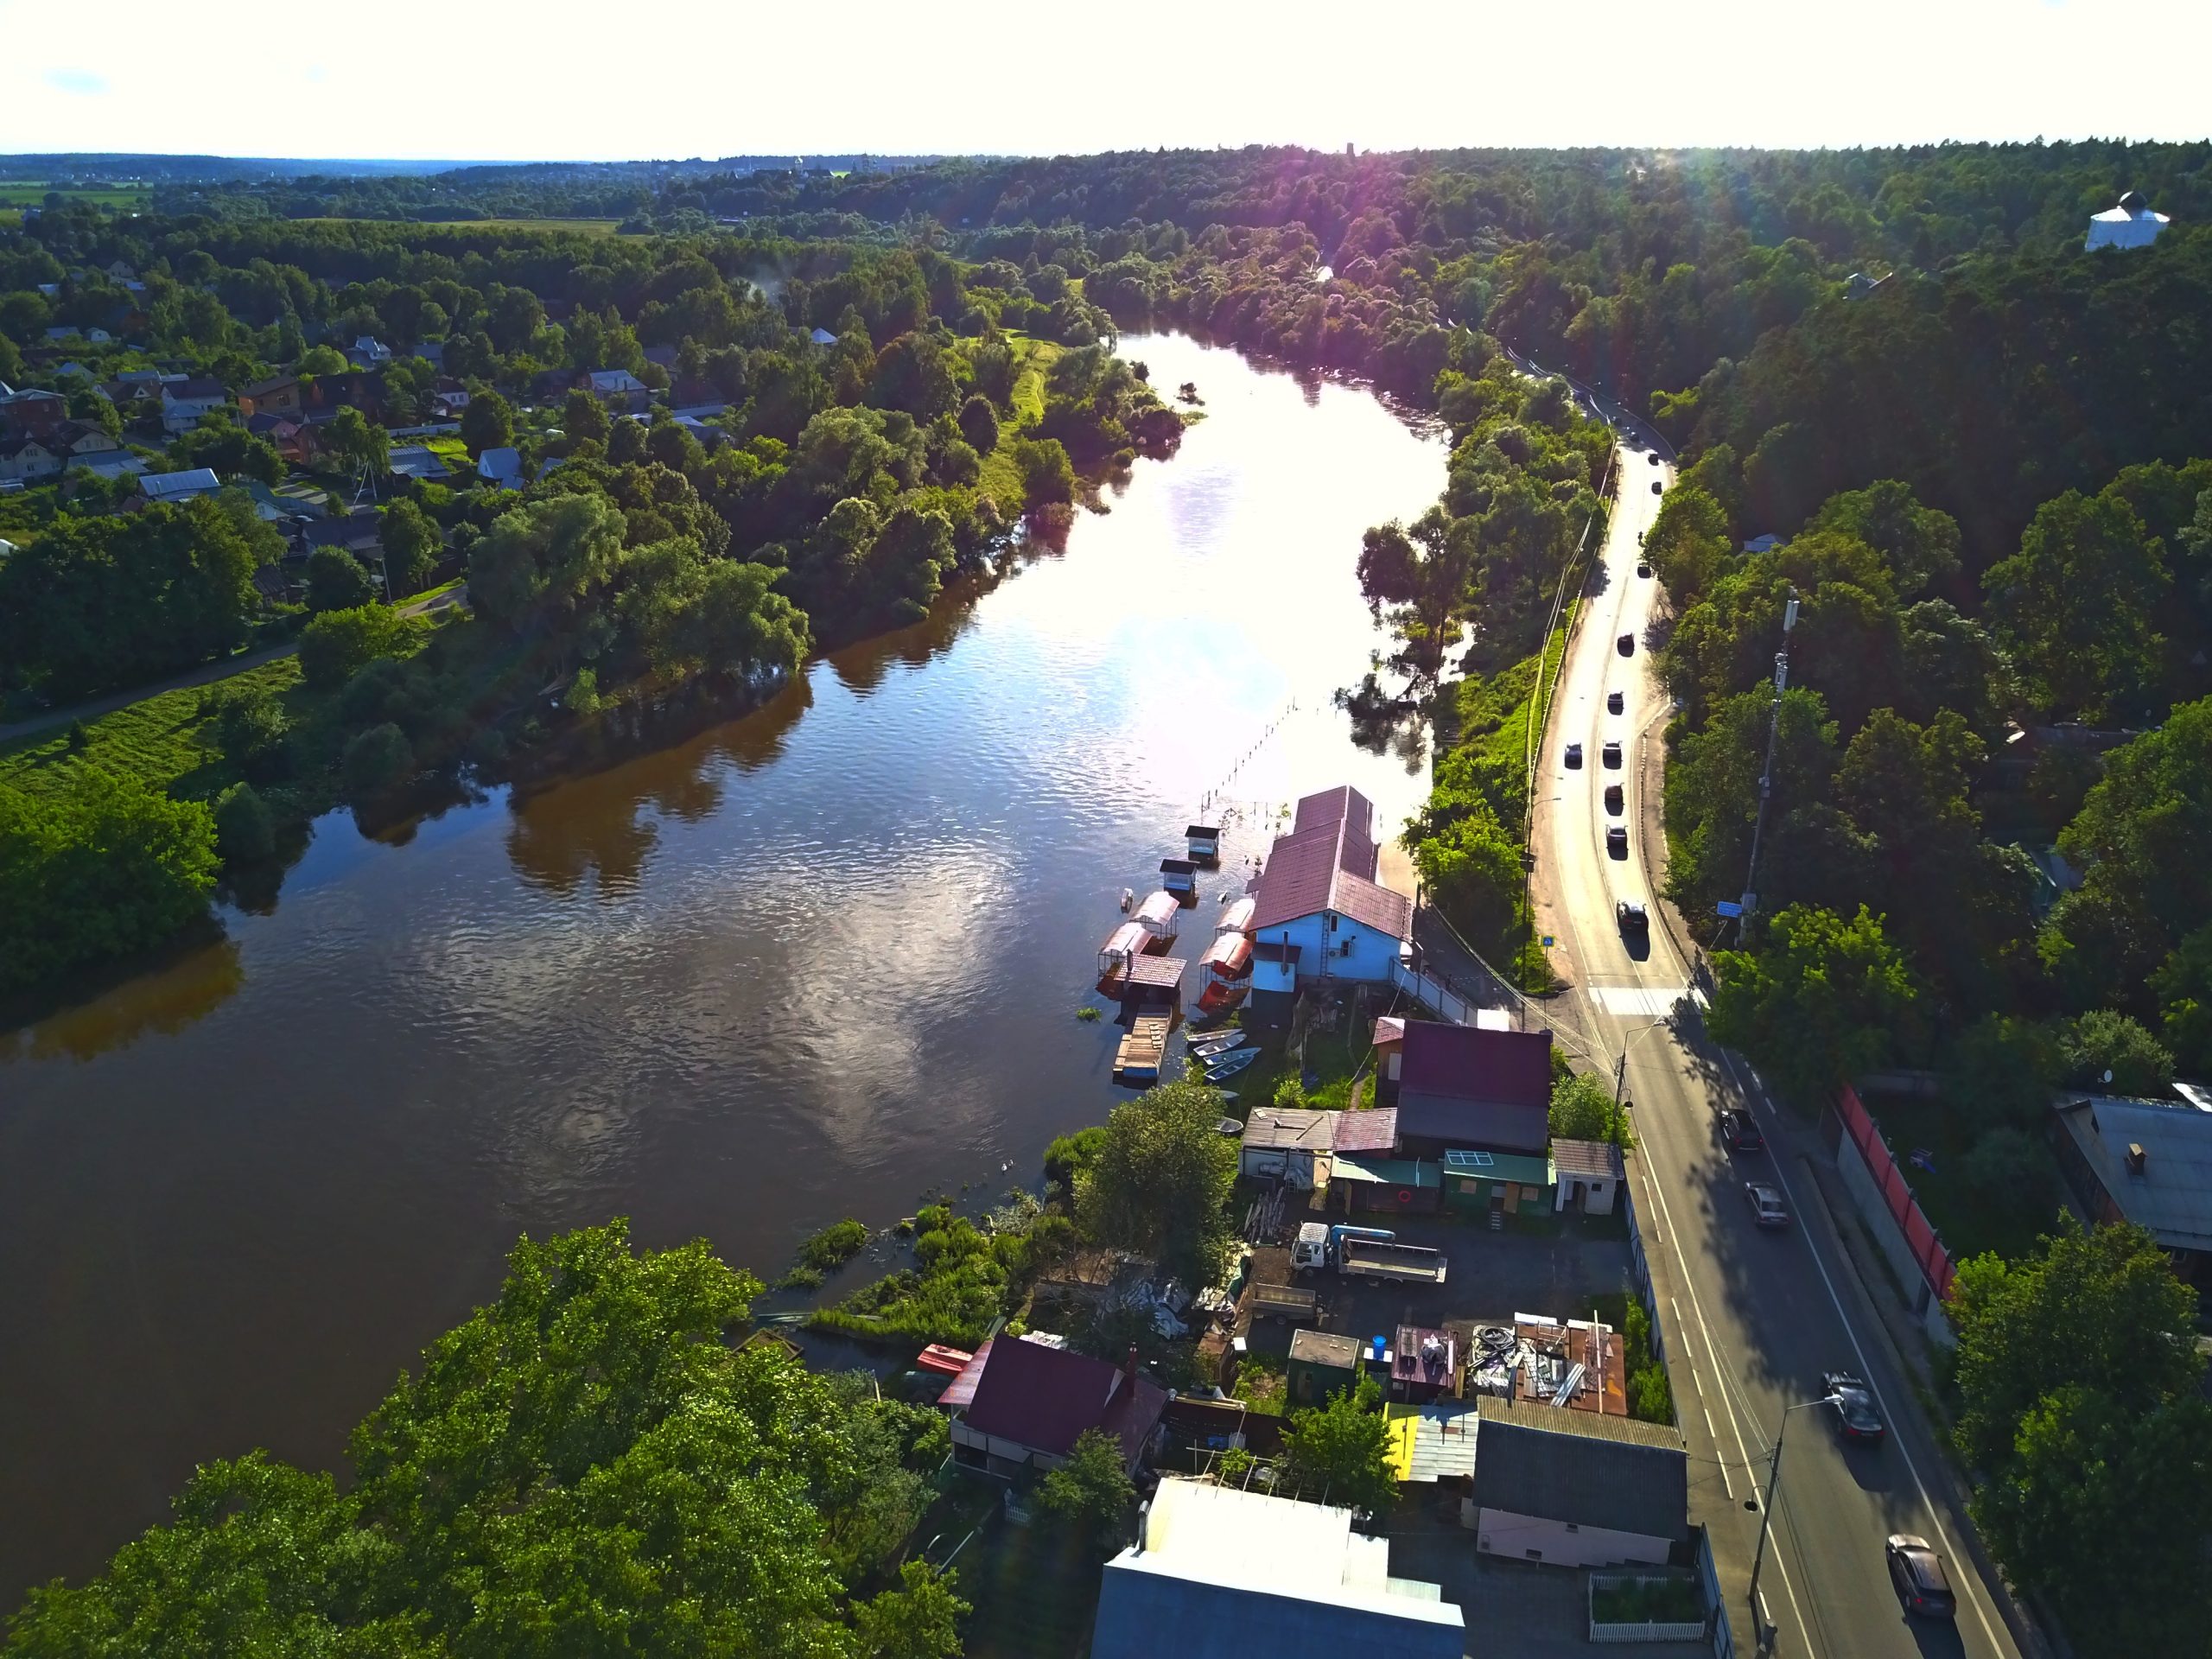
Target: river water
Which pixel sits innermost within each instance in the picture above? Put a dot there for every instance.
(821, 961)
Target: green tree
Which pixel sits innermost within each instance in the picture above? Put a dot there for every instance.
(1160, 1184)
(1822, 1000)
(2079, 606)
(2105, 1050)
(1687, 544)
(1583, 1109)
(488, 422)
(411, 545)
(245, 831)
(1422, 575)
(105, 869)
(220, 443)
(583, 416)
(2184, 985)
(1339, 1453)
(979, 423)
(544, 555)
(919, 1620)
(322, 359)
(359, 443)
(376, 762)
(337, 645)
(1047, 474)
(336, 580)
(1919, 545)
(1091, 1491)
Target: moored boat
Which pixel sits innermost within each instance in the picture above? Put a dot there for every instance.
(1158, 916)
(1212, 1046)
(1236, 918)
(1230, 1064)
(1225, 973)
(1123, 945)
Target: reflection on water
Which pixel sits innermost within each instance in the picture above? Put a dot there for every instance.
(819, 960)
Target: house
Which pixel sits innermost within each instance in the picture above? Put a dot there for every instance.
(432, 352)
(109, 465)
(80, 438)
(1318, 903)
(185, 402)
(1030, 1403)
(1575, 1488)
(823, 337)
(449, 405)
(1320, 1364)
(1217, 1573)
(501, 467)
(30, 459)
(1766, 543)
(358, 533)
(1465, 1086)
(369, 352)
(178, 486)
(1588, 1175)
(121, 271)
(2130, 224)
(2147, 1162)
(612, 385)
(1390, 1040)
(1287, 1145)
(414, 460)
(32, 412)
(279, 396)
(69, 331)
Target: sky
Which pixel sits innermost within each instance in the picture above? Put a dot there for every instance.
(493, 80)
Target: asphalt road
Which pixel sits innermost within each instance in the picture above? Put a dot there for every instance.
(1752, 1319)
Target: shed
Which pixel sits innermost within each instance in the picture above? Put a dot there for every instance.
(1500, 1183)
(1180, 877)
(1373, 1132)
(1288, 1144)
(1404, 1186)
(1574, 1489)
(1469, 1086)
(1588, 1173)
(1424, 1364)
(1321, 1364)
(1203, 840)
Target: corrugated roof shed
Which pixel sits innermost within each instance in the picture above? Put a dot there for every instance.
(2172, 1195)
(1369, 1131)
(1270, 1128)
(1588, 1159)
(1221, 1572)
(1580, 1468)
(1428, 1442)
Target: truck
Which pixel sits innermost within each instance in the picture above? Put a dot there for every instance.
(1369, 1252)
(1281, 1302)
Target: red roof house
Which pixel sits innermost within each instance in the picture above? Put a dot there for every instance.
(1031, 1403)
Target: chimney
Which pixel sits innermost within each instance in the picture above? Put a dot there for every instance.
(1130, 1367)
(2135, 1157)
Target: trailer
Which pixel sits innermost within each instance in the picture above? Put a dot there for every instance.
(1282, 1302)
(1376, 1259)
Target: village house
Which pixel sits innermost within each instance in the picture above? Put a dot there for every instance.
(1020, 1406)
(1575, 1488)
(63, 333)
(414, 460)
(32, 412)
(2145, 1161)
(1321, 915)
(1467, 1086)
(185, 401)
(1217, 1573)
(81, 438)
(279, 396)
(154, 488)
(369, 352)
(30, 459)
(501, 467)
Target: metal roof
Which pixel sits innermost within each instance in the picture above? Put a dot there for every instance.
(1043, 1398)
(162, 486)
(1374, 1130)
(1328, 862)
(1387, 1172)
(2172, 1195)
(1270, 1128)
(1589, 1160)
(1580, 1468)
(1431, 1441)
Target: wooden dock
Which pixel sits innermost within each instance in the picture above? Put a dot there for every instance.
(1143, 1050)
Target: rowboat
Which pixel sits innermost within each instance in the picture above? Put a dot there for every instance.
(1215, 1044)
(1230, 1064)
(1226, 973)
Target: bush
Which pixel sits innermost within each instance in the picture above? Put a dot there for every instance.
(1583, 1109)
(376, 762)
(1071, 1155)
(245, 831)
(2101, 1041)
(250, 729)
(834, 1245)
(337, 582)
(337, 645)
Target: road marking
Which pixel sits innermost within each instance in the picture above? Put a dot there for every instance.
(1867, 1371)
(1640, 1001)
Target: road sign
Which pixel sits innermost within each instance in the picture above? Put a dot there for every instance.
(1547, 941)
(1729, 908)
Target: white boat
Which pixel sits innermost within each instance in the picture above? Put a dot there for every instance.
(1237, 917)
(1230, 1064)
(1158, 916)
(1211, 1048)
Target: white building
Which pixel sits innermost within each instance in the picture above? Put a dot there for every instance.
(1574, 1488)
(184, 402)
(1320, 913)
(2130, 225)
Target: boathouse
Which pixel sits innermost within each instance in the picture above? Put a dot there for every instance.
(1319, 906)
(1180, 877)
(1204, 842)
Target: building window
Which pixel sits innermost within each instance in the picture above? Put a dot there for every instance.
(1529, 1195)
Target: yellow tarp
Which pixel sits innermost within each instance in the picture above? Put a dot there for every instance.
(1402, 1419)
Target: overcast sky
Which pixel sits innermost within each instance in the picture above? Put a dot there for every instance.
(492, 79)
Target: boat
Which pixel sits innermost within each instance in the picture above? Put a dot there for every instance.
(1211, 1051)
(1225, 973)
(1224, 1040)
(945, 1360)
(1158, 915)
(1237, 918)
(1123, 945)
(1129, 898)
(1230, 1064)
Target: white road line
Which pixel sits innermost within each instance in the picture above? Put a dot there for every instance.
(1977, 1592)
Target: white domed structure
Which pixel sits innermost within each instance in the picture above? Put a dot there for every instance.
(2129, 225)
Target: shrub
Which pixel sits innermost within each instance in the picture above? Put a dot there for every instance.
(337, 645)
(834, 1245)
(376, 762)
(245, 831)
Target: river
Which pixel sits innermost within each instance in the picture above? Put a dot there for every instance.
(823, 960)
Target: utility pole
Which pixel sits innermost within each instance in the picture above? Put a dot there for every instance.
(1750, 901)
(1766, 1506)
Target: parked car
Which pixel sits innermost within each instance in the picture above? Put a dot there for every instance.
(1612, 798)
(1629, 918)
(1917, 1572)
(1611, 755)
(1641, 568)
(1614, 702)
(1617, 841)
(1653, 457)
(1767, 1207)
(1741, 1131)
(1575, 754)
(1625, 645)
(1657, 487)
(1857, 1416)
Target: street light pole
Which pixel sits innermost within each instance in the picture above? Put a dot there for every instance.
(1766, 1506)
(1766, 772)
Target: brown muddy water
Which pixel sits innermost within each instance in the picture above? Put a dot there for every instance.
(821, 961)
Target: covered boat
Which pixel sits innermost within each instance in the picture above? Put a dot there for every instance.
(1158, 916)
(1225, 973)
(1203, 840)
(1123, 945)
(1237, 916)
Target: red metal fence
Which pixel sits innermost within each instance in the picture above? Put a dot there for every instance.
(1919, 1235)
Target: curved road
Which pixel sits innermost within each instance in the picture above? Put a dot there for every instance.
(1751, 1319)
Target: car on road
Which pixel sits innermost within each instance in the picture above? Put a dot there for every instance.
(1611, 755)
(1767, 1207)
(1630, 919)
(1654, 457)
(1575, 754)
(1741, 1131)
(1641, 568)
(1916, 1571)
(1857, 1417)
(1612, 798)
(1617, 841)
(1625, 645)
(1614, 702)
(1657, 487)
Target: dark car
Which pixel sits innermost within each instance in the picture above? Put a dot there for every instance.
(1741, 1132)
(1612, 798)
(1625, 645)
(1857, 1416)
(1641, 568)
(1917, 1572)
(1614, 702)
(1767, 1207)
(1653, 457)
(1629, 918)
(1611, 755)
(1657, 487)
(1617, 841)
(1575, 754)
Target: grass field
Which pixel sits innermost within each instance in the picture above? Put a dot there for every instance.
(582, 226)
(16, 193)
(155, 740)
(999, 479)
